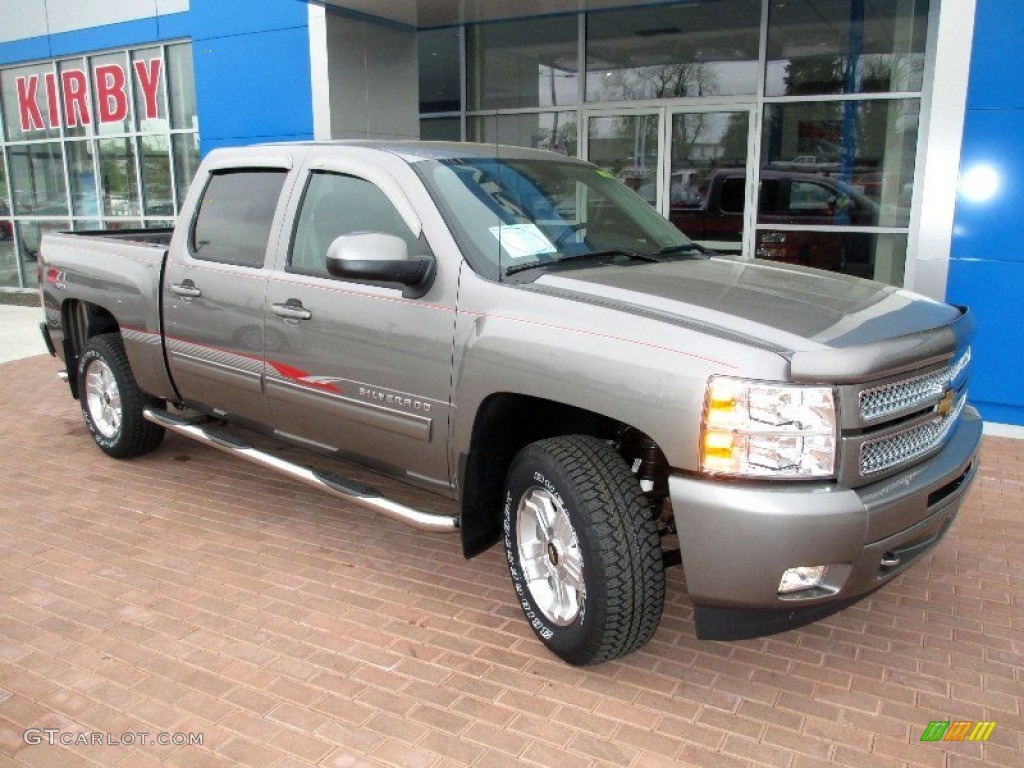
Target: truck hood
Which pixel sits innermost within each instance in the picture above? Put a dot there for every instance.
(781, 306)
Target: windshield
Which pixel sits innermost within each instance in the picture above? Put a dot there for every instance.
(512, 215)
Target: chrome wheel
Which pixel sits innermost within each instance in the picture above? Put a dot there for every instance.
(549, 553)
(103, 398)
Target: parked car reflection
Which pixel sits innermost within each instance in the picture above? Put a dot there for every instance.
(786, 197)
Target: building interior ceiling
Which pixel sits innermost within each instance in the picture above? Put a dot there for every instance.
(442, 13)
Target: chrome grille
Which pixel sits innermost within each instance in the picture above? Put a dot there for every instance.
(908, 395)
(902, 396)
(902, 447)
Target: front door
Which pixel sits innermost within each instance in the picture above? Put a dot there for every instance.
(668, 156)
(352, 368)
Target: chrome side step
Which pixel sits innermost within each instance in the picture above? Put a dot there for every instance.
(329, 482)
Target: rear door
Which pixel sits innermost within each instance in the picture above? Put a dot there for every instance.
(215, 286)
(356, 369)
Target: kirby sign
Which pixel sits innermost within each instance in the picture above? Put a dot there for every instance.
(109, 84)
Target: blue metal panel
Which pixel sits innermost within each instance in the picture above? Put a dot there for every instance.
(987, 256)
(996, 55)
(993, 291)
(253, 87)
(991, 195)
(219, 18)
(174, 26)
(122, 35)
(25, 50)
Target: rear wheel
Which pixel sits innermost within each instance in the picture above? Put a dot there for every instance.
(583, 549)
(112, 402)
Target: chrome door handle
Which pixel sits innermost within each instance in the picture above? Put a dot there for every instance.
(186, 290)
(292, 310)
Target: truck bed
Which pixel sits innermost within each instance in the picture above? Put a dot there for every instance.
(106, 268)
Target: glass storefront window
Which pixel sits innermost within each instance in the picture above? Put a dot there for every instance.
(845, 46)
(76, 98)
(555, 131)
(5, 200)
(441, 129)
(155, 157)
(439, 70)
(8, 257)
(528, 63)
(837, 85)
(30, 103)
(9, 272)
(674, 51)
(182, 87)
(30, 233)
(707, 188)
(877, 256)
(186, 163)
(627, 147)
(119, 162)
(118, 181)
(111, 104)
(82, 176)
(37, 179)
(861, 152)
(150, 96)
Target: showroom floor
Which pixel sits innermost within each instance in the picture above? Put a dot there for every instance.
(189, 596)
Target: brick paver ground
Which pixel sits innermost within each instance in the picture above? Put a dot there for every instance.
(187, 592)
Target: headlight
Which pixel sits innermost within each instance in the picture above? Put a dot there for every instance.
(761, 429)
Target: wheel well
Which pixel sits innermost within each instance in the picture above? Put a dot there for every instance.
(506, 423)
(82, 320)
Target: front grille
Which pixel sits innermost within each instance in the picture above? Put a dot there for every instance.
(904, 396)
(898, 448)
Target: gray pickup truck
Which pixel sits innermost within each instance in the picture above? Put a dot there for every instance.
(519, 332)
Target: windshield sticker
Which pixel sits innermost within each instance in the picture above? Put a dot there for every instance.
(522, 240)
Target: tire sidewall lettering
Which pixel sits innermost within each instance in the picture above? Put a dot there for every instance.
(532, 614)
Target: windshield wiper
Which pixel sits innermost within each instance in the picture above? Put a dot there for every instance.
(627, 252)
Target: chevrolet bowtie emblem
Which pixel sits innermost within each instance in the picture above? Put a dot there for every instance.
(946, 403)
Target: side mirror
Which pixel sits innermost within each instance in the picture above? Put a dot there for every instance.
(376, 257)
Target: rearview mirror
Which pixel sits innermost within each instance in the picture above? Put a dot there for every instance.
(377, 257)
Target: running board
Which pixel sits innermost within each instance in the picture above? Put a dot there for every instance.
(329, 482)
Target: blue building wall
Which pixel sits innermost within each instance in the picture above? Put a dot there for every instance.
(252, 71)
(251, 59)
(987, 255)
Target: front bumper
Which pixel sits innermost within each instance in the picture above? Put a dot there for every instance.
(737, 539)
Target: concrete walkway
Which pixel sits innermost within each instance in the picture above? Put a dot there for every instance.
(19, 333)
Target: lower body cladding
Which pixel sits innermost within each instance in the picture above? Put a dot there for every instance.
(739, 540)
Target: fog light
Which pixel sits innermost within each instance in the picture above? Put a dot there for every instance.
(802, 577)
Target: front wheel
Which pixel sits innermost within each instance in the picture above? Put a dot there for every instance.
(583, 549)
(112, 402)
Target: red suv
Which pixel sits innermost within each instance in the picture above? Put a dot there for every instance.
(785, 198)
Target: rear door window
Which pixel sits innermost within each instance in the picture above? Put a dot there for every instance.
(235, 214)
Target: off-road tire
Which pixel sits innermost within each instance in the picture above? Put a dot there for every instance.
(112, 403)
(623, 577)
